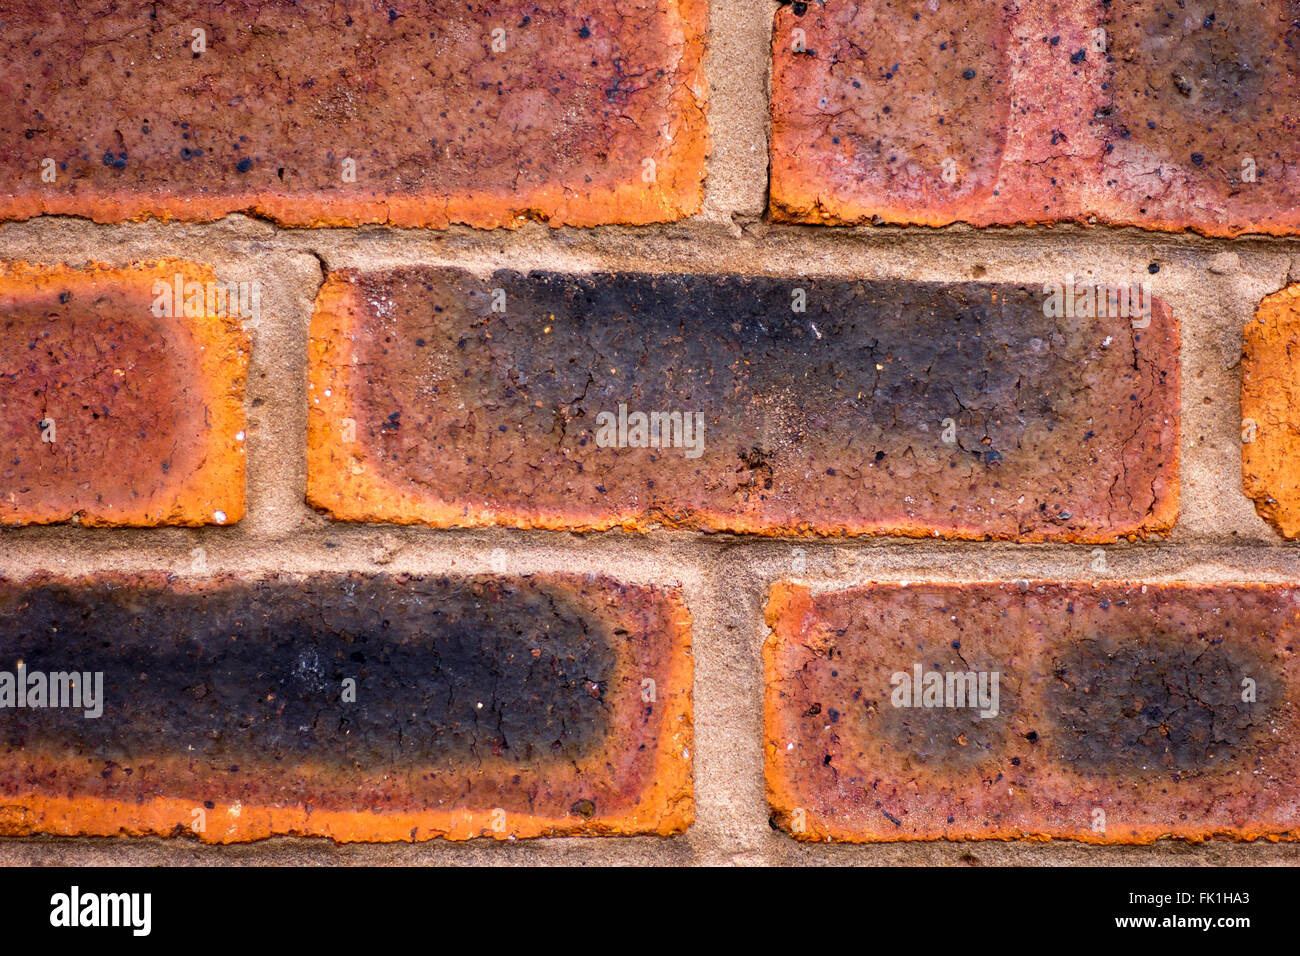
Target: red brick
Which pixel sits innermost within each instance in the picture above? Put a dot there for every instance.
(492, 706)
(112, 414)
(1121, 716)
(426, 406)
(1163, 129)
(1270, 411)
(592, 113)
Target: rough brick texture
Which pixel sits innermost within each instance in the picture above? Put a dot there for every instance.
(482, 707)
(1270, 411)
(114, 414)
(901, 408)
(578, 113)
(1123, 712)
(1163, 115)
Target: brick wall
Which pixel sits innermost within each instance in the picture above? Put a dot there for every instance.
(414, 462)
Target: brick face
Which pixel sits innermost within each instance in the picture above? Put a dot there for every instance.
(1166, 117)
(482, 707)
(113, 414)
(882, 407)
(1122, 714)
(589, 113)
(1270, 411)
(499, 468)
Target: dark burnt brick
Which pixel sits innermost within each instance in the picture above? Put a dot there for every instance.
(427, 406)
(1124, 699)
(145, 411)
(558, 126)
(1182, 711)
(473, 697)
(1183, 119)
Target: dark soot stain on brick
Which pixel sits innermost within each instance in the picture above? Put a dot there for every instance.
(948, 738)
(1143, 704)
(879, 406)
(447, 673)
(718, 343)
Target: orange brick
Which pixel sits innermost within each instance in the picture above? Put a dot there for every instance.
(440, 111)
(116, 407)
(349, 707)
(1164, 116)
(1270, 411)
(441, 397)
(1126, 712)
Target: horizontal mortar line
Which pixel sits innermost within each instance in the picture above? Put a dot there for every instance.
(65, 534)
(675, 233)
(695, 583)
(327, 852)
(122, 547)
(898, 265)
(646, 567)
(1268, 270)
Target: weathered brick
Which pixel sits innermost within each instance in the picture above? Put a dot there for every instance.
(481, 707)
(885, 407)
(584, 113)
(116, 407)
(1270, 411)
(1165, 116)
(1127, 712)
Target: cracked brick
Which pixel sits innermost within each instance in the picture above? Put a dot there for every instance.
(116, 408)
(581, 114)
(441, 397)
(1164, 116)
(489, 706)
(1127, 712)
